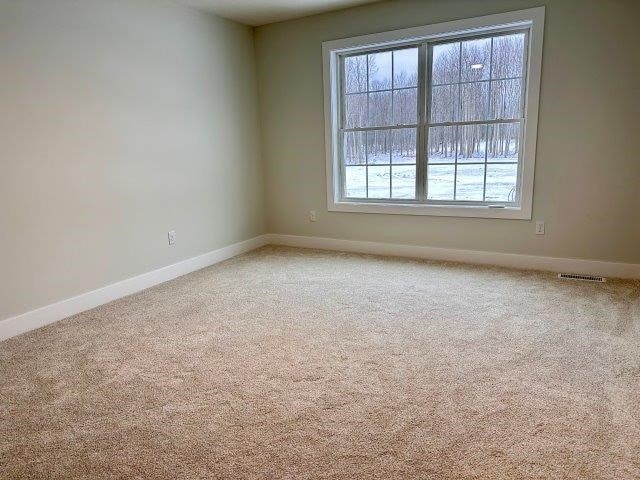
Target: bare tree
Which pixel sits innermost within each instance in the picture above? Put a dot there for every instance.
(480, 96)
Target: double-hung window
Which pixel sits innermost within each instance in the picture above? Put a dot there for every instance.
(435, 120)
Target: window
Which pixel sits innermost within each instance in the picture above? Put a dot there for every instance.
(436, 120)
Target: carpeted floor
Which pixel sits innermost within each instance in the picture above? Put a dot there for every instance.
(299, 364)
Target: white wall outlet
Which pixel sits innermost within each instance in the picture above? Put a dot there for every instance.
(539, 228)
(313, 217)
(171, 236)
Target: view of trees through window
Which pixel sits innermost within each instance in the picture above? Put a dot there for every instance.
(381, 90)
(474, 93)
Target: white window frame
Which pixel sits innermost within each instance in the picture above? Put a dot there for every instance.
(531, 20)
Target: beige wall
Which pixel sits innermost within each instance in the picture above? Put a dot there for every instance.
(587, 187)
(120, 120)
(123, 119)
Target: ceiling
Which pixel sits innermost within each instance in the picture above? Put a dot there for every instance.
(261, 12)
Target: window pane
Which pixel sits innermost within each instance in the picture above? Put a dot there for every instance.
(379, 109)
(440, 182)
(403, 145)
(379, 182)
(501, 183)
(505, 99)
(403, 181)
(355, 72)
(355, 182)
(446, 63)
(354, 148)
(508, 56)
(444, 103)
(504, 142)
(380, 71)
(470, 182)
(405, 106)
(472, 143)
(378, 147)
(442, 145)
(474, 100)
(405, 68)
(355, 110)
(476, 57)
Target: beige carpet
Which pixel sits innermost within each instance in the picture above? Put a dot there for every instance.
(300, 364)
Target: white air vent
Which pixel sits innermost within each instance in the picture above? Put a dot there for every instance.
(584, 278)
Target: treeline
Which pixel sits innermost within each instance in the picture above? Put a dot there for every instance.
(472, 81)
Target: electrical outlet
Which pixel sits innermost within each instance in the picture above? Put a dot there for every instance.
(539, 228)
(313, 217)
(171, 236)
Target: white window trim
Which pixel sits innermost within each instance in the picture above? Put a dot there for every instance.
(532, 19)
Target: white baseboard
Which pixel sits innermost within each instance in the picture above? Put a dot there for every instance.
(57, 311)
(529, 262)
(65, 308)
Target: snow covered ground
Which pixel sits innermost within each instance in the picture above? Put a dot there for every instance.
(399, 181)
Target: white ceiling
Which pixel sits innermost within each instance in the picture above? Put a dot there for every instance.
(261, 12)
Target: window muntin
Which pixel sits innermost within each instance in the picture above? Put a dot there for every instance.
(466, 151)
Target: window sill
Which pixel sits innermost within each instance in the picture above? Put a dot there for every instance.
(514, 213)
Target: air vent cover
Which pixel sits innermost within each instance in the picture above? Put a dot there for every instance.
(584, 278)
